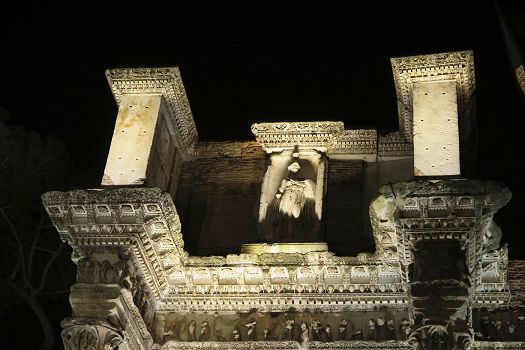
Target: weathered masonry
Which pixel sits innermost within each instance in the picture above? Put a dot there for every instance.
(309, 236)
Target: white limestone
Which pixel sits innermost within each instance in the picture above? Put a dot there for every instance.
(132, 141)
(435, 128)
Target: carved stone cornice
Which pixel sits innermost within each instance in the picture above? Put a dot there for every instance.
(395, 145)
(458, 66)
(317, 301)
(274, 345)
(360, 141)
(459, 210)
(330, 137)
(144, 221)
(493, 345)
(310, 135)
(166, 81)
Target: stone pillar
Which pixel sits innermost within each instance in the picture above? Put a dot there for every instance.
(132, 142)
(436, 133)
(92, 334)
(104, 303)
(436, 107)
(154, 130)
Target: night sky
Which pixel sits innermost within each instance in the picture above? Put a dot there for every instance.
(265, 61)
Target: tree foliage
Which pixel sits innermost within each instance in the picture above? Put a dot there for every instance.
(34, 263)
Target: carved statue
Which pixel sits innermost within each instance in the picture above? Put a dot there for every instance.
(267, 335)
(291, 215)
(372, 333)
(317, 330)
(390, 330)
(191, 334)
(381, 329)
(341, 334)
(492, 237)
(236, 334)
(107, 273)
(251, 330)
(326, 336)
(405, 329)
(85, 271)
(290, 330)
(205, 332)
(305, 337)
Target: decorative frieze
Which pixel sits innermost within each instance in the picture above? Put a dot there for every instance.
(145, 220)
(283, 345)
(360, 141)
(311, 135)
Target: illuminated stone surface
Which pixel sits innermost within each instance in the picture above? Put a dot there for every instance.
(132, 140)
(411, 73)
(436, 134)
(159, 256)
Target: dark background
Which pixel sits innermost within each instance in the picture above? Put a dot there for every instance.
(255, 61)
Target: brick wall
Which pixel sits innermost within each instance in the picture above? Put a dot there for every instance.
(344, 229)
(218, 197)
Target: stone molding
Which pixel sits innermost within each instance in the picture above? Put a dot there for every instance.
(324, 136)
(448, 210)
(314, 345)
(310, 135)
(165, 81)
(498, 345)
(360, 141)
(145, 222)
(458, 66)
(394, 144)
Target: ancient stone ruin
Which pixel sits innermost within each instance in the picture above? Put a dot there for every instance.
(309, 236)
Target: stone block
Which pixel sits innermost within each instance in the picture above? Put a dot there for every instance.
(436, 130)
(132, 140)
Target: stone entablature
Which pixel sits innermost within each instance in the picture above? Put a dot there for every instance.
(284, 345)
(164, 81)
(310, 135)
(145, 221)
(394, 145)
(328, 137)
(361, 345)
